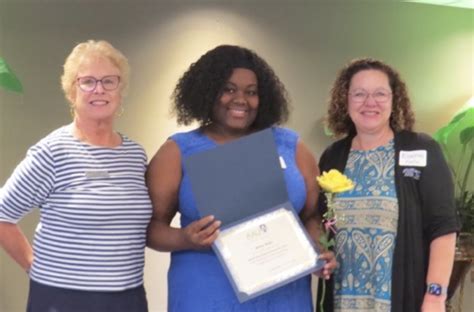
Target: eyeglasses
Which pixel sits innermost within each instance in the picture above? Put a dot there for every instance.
(89, 83)
(360, 96)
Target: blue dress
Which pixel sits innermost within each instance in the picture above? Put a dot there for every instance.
(367, 226)
(196, 280)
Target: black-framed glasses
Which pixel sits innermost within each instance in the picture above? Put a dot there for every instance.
(360, 96)
(89, 83)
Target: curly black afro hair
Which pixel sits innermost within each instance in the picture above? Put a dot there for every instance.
(198, 90)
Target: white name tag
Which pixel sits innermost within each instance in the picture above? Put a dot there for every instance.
(413, 158)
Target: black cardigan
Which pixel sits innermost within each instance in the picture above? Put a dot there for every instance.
(426, 211)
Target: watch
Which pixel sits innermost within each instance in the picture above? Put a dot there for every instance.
(436, 289)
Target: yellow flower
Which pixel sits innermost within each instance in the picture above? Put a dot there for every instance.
(334, 182)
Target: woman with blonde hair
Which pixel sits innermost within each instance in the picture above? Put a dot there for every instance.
(88, 182)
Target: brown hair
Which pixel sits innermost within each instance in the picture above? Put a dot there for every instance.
(338, 120)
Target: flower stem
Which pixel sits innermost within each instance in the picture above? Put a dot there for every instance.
(323, 294)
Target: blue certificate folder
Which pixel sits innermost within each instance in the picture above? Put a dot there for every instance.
(239, 179)
(237, 182)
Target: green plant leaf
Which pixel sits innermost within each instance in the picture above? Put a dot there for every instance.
(458, 117)
(8, 80)
(441, 136)
(325, 242)
(457, 141)
(464, 119)
(466, 135)
(331, 243)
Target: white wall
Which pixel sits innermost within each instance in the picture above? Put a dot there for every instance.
(305, 41)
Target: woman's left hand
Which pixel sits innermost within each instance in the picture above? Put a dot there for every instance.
(330, 265)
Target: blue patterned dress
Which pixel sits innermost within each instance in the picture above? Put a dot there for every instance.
(367, 226)
(196, 280)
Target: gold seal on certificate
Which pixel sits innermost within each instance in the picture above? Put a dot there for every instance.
(265, 251)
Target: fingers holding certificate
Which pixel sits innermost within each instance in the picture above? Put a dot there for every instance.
(202, 233)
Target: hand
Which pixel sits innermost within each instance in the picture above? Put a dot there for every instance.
(433, 303)
(329, 267)
(202, 233)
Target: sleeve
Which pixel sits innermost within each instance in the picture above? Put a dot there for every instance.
(323, 160)
(333, 157)
(143, 154)
(437, 195)
(29, 185)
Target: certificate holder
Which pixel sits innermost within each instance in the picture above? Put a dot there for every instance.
(262, 244)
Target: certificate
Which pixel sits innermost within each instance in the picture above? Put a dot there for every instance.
(266, 251)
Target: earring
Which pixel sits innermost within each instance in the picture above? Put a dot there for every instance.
(120, 113)
(72, 111)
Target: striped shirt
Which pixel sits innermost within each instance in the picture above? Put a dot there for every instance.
(94, 211)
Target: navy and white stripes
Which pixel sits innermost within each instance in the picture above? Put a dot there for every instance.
(94, 208)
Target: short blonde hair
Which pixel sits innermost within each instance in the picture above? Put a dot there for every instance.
(92, 48)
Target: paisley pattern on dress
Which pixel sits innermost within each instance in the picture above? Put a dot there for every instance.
(366, 232)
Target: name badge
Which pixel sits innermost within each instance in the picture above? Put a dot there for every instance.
(413, 158)
(97, 174)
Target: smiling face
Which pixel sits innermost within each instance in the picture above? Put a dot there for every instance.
(237, 106)
(370, 101)
(98, 104)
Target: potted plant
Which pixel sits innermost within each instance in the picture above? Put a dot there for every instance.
(457, 141)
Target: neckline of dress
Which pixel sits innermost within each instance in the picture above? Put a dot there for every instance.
(89, 145)
(201, 133)
(388, 145)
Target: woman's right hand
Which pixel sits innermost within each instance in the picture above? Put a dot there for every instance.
(202, 233)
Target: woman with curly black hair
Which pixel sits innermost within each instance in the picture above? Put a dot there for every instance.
(231, 92)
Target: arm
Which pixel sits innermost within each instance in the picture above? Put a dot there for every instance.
(439, 223)
(14, 242)
(28, 187)
(163, 179)
(440, 266)
(309, 216)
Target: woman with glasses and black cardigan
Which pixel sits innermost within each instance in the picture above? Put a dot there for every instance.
(88, 182)
(396, 229)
